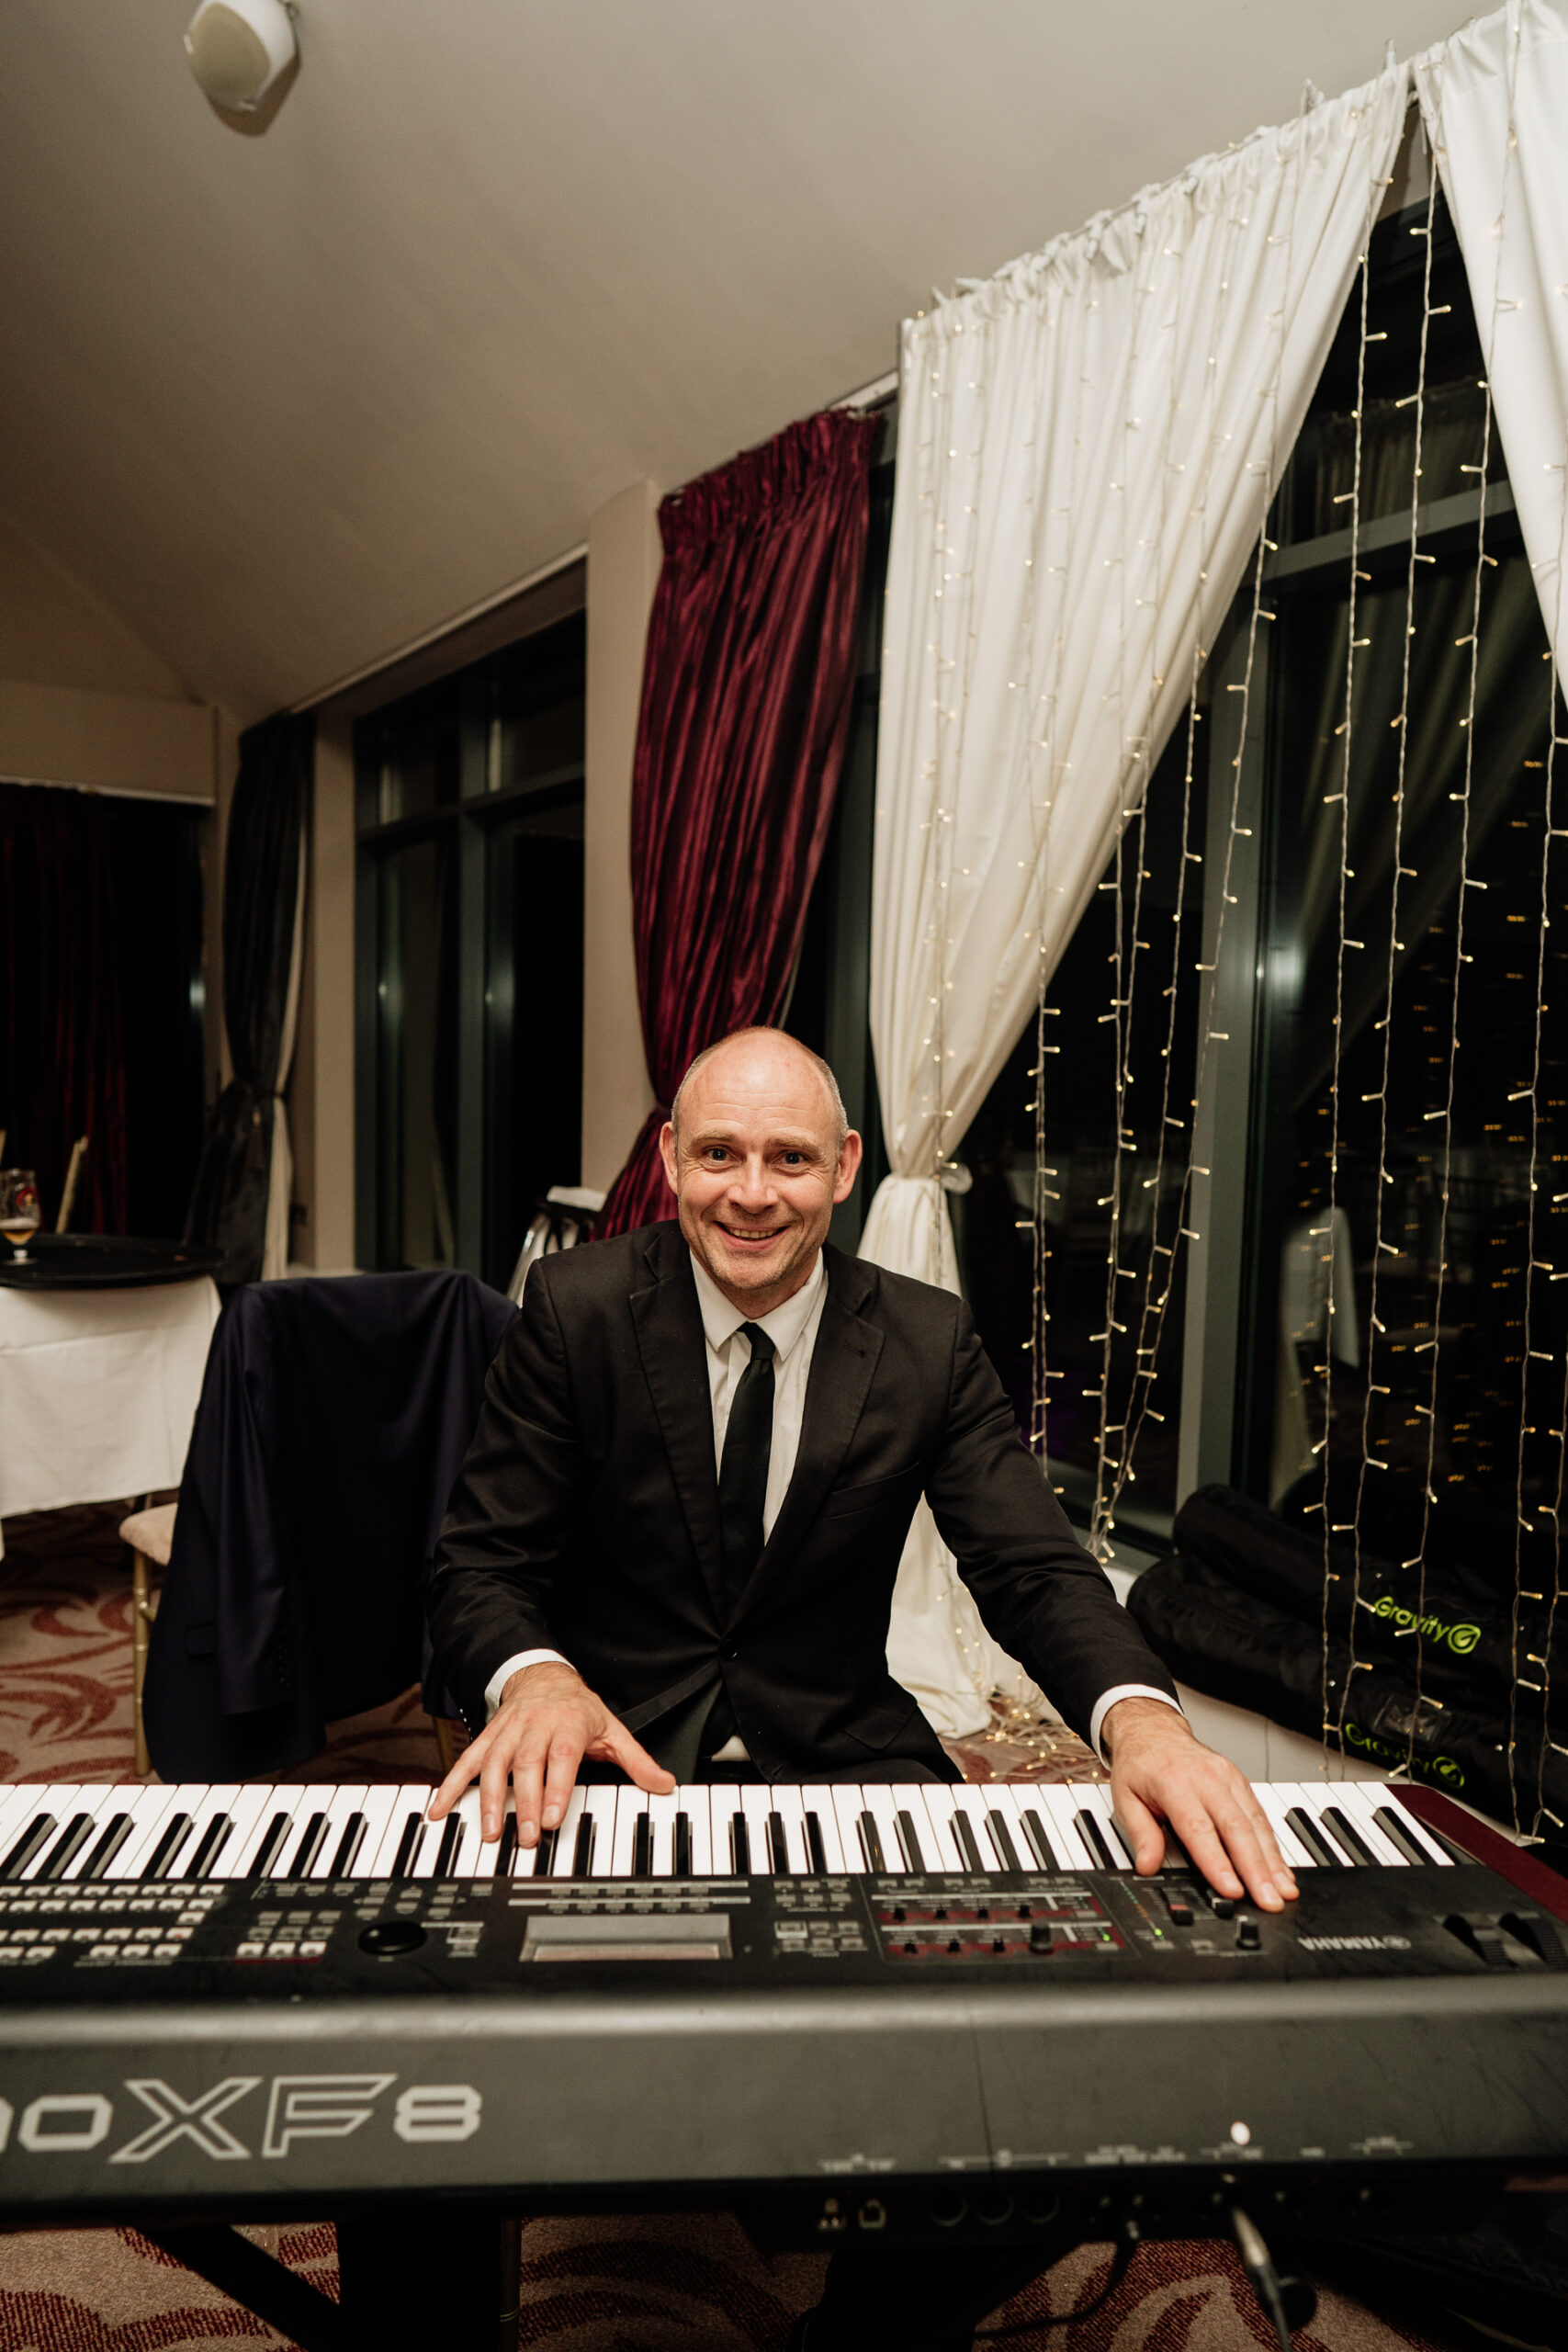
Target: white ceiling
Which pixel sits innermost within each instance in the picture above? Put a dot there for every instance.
(285, 402)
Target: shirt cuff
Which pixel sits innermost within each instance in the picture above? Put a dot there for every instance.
(503, 1674)
(1102, 1706)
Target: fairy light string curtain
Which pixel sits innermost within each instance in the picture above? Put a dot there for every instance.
(1052, 579)
(1494, 100)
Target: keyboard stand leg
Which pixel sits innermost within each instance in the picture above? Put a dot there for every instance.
(262, 2284)
(438, 2275)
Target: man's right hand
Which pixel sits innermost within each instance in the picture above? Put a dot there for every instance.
(547, 1720)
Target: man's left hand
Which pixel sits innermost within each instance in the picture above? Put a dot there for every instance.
(1159, 1772)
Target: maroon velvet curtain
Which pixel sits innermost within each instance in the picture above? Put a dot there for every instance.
(62, 1054)
(746, 693)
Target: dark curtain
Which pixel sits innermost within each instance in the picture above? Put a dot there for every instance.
(61, 1052)
(746, 695)
(261, 878)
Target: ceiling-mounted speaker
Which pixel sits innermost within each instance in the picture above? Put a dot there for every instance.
(238, 49)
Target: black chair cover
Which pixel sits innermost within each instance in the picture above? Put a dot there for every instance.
(333, 1421)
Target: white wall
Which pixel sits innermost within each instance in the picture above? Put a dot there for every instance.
(623, 569)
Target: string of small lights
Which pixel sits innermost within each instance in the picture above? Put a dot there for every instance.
(1346, 731)
(1401, 873)
(1153, 1308)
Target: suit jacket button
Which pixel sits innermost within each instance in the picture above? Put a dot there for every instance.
(731, 1656)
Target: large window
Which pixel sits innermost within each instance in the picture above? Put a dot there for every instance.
(470, 794)
(1329, 1307)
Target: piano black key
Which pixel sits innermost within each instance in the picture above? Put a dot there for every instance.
(547, 1852)
(778, 1845)
(214, 1837)
(642, 1847)
(108, 1847)
(1094, 1839)
(739, 1846)
(916, 1860)
(38, 1832)
(73, 1838)
(167, 1846)
(403, 1861)
(1326, 1856)
(446, 1851)
(506, 1852)
(1177, 1857)
(310, 1846)
(683, 1845)
(1343, 1828)
(582, 1860)
(871, 1843)
(816, 1852)
(965, 1837)
(1002, 1840)
(348, 1846)
(1394, 1829)
(1039, 1840)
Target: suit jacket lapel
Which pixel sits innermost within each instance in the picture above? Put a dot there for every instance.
(673, 1348)
(841, 1365)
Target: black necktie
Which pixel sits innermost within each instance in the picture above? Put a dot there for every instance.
(743, 1465)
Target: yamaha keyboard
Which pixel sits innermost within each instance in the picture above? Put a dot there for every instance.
(917, 2009)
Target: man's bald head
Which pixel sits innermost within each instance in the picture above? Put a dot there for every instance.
(747, 1043)
(758, 1151)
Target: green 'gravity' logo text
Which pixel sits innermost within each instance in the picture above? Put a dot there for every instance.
(1461, 1638)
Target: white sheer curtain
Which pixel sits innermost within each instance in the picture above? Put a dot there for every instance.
(1494, 101)
(1086, 447)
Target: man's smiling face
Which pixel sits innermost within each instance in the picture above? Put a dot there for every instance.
(757, 1168)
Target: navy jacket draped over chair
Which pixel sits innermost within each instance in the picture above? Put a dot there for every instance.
(333, 1422)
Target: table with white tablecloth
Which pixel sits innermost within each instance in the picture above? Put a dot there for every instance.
(98, 1390)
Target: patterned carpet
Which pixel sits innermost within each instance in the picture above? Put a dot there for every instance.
(638, 2284)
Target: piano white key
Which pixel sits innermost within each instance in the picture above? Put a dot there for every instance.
(1299, 1856)
(849, 1802)
(661, 1811)
(790, 1805)
(724, 1803)
(245, 1814)
(882, 1803)
(19, 1804)
(757, 1803)
(598, 1805)
(345, 1801)
(481, 1855)
(150, 1810)
(816, 1805)
(409, 1804)
(1355, 1800)
(62, 1801)
(631, 1808)
(1094, 1798)
(970, 1801)
(566, 1839)
(1062, 1818)
(944, 1853)
(1417, 1831)
(691, 1800)
(378, 1806)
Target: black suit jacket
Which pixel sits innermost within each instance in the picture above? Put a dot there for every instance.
(586, 1516)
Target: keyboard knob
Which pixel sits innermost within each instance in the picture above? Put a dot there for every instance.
(1248, 1934)
(389, 1939)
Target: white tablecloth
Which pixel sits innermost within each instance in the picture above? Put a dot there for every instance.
(98, 1389)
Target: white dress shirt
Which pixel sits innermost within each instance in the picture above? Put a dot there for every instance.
(792, 1329)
